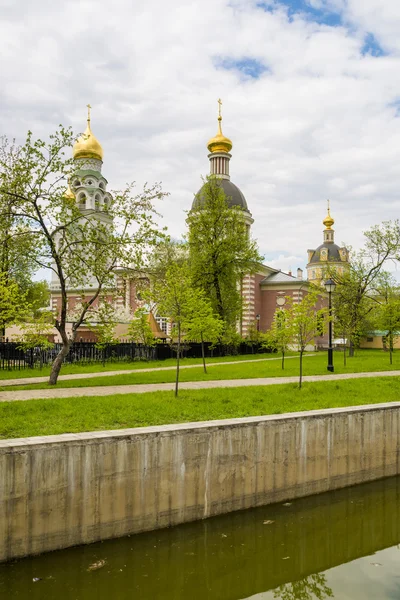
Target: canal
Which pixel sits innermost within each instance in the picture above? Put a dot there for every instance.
(341, 545)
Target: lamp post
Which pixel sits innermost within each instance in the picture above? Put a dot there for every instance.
(330, 287)
(258, 322)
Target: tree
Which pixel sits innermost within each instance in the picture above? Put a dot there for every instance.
(304, 321)
(35, 335)
(103, 324)
(387, 310)
(139, 330)
(221, 251)
(176, 299)
(254, 336)
(280, 334)
(14, 307)
(353, 299)
(202, 324)
(83, 250)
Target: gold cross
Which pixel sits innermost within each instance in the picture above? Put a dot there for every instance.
(88, 111)
(219, 107)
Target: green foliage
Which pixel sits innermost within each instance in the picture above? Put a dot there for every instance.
(313, 587)
(387, 309)
(103, 324)
(280, 335)
(38, 297)
(139, 329)
(221, 251)
(84, 250)
(14, 307)
(304, 322)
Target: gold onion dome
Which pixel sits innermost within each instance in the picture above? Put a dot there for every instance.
(87, 145)
(328, 221)
(219, 143)
(69, 194)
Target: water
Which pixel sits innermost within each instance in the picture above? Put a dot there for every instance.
(339, 545)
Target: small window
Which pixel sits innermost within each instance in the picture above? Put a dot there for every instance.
(90, 182)
(77, 183)
(101, 185)
(370, 339)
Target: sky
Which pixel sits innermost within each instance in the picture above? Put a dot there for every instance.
(310, 91)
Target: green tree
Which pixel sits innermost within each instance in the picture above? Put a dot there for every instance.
(102, 323)
(84, 251)
(387, 309)
(175, 299)
(139, 330)
(35, 335)
(14, 307)
(353, 300)
(221, 251)
(201, 324)
(254, 335)
(304, 322)
(280, 335)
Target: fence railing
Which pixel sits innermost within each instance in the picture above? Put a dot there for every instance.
(13, 357)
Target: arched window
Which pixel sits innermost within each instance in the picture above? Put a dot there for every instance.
(76, 183)
(101, 185)
(97, 201)
(82, 200)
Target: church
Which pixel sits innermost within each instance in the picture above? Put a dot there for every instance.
(263, 293)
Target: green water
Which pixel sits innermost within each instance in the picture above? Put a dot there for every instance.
(339, 545)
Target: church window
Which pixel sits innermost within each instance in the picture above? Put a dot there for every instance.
(101, 185)
(82, 201)
(77, 183)
(97, 201)
(90, 182)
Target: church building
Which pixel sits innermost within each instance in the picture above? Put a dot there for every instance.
(263, 293)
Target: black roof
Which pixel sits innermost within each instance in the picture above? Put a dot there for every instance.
(232, 192)
(333, 253)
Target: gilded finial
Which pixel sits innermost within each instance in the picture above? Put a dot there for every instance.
(328, 221)
(219, 143)
(88, 146)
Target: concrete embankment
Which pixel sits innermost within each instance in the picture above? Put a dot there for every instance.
(59, 491)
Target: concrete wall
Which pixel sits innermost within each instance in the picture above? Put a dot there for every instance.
(60, 491)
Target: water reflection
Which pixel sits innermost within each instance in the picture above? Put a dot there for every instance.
(313, 587)
(284, 549)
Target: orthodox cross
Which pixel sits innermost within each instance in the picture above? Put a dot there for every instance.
(219, 108)
(88, 111)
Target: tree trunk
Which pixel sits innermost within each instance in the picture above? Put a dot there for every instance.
(177, 360)
(283, 359)
(202, 354)
(301, 369)
(391, 347)
(56, 366)
(344, 354)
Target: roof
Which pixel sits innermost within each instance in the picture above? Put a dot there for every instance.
(333, 253)
(232, 192)
(280, 277)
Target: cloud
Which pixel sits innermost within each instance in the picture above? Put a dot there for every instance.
(309, 89)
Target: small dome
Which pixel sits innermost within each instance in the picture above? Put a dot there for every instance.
(87, 145)
(328, 221)
(332, 250)
(69, 194)
(233, 195)
(219, 143)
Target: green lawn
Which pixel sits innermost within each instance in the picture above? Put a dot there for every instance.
(121, 366)
(71, 415)
(314, 364)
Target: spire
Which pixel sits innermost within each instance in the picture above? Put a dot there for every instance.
(328, 221)
(219, 143)
(87, 145)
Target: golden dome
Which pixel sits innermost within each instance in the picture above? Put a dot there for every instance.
(69, 194)
(328, 221)
(87, 145)
(219, 143)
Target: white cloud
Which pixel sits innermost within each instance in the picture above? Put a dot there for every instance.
(322, 122)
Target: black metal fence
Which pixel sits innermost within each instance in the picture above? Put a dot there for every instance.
(12, 357)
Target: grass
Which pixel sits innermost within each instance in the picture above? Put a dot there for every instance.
(74, 369)
(71, 415)
(364, 361)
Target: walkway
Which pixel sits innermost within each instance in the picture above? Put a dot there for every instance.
(187, 385)
(29, 380)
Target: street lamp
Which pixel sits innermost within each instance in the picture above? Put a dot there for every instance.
(330, 287)
(258, 322)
